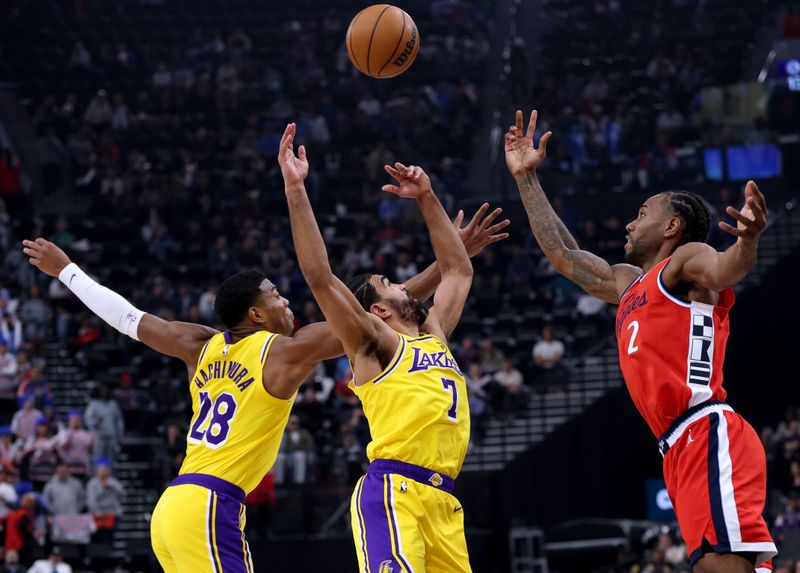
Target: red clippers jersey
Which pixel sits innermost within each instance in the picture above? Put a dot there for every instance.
(671, 350)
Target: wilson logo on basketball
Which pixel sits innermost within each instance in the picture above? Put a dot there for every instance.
(401, 59)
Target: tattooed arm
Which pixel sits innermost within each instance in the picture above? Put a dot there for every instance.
(589, 271)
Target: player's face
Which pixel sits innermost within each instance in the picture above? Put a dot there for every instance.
(396, 297)
(645, 231)
(276, 308)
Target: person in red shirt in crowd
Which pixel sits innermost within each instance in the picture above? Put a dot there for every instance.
(19, 528)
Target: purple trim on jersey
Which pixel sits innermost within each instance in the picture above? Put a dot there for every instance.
(417, 473)
(376, 524)
(227, 336)
(213, 483)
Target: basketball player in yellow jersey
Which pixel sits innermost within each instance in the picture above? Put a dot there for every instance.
(243, 383)
(405, 518)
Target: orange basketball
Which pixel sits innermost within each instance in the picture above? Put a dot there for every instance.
(382, 41)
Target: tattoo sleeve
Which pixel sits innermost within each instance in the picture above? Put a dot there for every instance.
(589, 271)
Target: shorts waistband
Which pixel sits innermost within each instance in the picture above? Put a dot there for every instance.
(213, 483)
(689, 417)
(417, 473)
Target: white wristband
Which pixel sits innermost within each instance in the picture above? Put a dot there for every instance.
(105, 303)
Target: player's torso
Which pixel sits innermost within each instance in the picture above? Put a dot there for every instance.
(671, 351)
(417, 408)
(236, 426)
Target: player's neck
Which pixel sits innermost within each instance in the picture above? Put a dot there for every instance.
(403, 327)
(243, 331)
(664, 252)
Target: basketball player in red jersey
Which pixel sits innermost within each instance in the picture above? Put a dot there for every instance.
(674, 297)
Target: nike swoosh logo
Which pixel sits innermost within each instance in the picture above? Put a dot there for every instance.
(72, 277)
(457, 509)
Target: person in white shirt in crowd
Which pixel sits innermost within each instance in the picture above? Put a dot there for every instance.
(9, 450)
(23, 424)
(53, 564)
(548, 354)
(75, 445)
(11, 331)
(8, 372)
(64, 494)
(8, 495)
(296, 453)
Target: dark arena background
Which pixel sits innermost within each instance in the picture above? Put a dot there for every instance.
(141, 136)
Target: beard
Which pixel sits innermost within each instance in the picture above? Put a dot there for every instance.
(638, 253)
(410, 310)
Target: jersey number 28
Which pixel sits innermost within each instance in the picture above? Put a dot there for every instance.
(221, 412)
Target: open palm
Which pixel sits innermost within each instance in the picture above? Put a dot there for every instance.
(521, 157)
(293, 167)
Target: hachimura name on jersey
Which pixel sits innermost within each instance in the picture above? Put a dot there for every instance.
(236, 427)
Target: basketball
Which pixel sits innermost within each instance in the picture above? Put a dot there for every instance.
(382, 41)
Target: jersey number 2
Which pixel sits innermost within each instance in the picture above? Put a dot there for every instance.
(632, 344)
(221, 412)
(451, 386)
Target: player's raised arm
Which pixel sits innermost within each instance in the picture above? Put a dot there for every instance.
(178, 339)
(356, 328)
(589, 271)
(701, 265)
(479, 233)
(451, 256)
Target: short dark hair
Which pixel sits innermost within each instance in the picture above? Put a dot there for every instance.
(364, 291)
(236, 295)
(691, 209)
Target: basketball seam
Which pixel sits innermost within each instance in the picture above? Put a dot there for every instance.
(350, 39)
(399, 41)
(374, 28)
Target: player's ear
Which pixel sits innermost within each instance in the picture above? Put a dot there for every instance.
(380, 310)
(673, 228)
(255, 314)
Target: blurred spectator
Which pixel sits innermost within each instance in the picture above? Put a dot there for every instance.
(53, 564)
(128, 396)
(35, 315)
(478, 400)
(547, 356)
(34, 385)
(174, 452)
(19, 528)
(11, 562)
(8, 371)
(40, 454)
(11, 331)
(104, 419)
(8, 496)
(9, 450)
(788, 519)
(490, 357)
(64, 494)
(296, 453)
(75, 445)
(23, 424)
(104, 500)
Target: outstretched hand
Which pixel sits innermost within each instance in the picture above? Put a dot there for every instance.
(480, 232)
(521, 157)
(412, 181)
(752, 219)
(45, 256)
(294, 168)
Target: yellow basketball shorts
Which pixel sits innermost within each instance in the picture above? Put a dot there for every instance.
(198, 527)
(405, 519)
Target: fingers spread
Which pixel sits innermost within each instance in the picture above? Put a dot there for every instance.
(519, 120)
(459, 219)
(391, 189)
(739, 216)
(501, 225)
(543, 143)
(491, 217)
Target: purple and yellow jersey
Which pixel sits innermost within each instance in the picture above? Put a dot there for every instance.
(417, 407)
(236, 426)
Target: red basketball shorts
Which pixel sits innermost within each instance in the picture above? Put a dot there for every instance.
(716, 473)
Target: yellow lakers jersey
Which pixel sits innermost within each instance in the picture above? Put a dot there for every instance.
(236, 425)
(417, 407)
